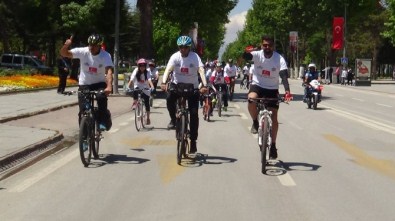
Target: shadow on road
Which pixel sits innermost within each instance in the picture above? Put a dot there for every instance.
(117, 159)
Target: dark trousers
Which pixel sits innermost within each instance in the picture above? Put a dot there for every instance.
(104, 115)
(62, 81)
(224, 93)
(193, 105)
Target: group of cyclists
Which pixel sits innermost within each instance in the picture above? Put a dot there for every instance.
(187, 69)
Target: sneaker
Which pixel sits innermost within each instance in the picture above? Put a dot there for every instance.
(254, 128)
(273, 152)
(84, 146)
(148, 121)
(193, 148)
(102, 127)
(171, 125)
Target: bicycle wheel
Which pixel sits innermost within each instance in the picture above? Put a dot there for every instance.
(181, 138)
(143, 114)
(265, 143)
(138, 116)
(151, 100)
(206, 109)
(96, 143)
(219, 104)
(86, 140)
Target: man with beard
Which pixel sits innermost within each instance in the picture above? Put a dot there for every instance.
(269, 66)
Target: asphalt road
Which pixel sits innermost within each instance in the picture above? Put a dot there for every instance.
(335, 163)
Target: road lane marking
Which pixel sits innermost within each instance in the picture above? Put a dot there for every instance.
(243, 116)
(357, 99)
(363, 120)
(113, 130)
(385, 167)
(286, 180)
(384, 105)
(168, 168)
(124, 124)
(236, 106)
(45, 172)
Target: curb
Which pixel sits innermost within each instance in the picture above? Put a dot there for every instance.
(37, 112)
(20, 159)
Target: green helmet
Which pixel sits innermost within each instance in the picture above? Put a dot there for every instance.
(95, 39)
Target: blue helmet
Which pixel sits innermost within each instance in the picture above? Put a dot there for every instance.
(184, 41)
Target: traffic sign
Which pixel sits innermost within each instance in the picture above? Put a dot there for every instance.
(344, 60)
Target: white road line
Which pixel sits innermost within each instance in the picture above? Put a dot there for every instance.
(243, 116)
(363, 120)
(236, 106)
(45, 172)
(357, 99)
(340, 95)
(286, 180)
(114, 130)
(123, 124)
(384, 105)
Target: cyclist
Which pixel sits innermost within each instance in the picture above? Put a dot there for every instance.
(269, 66)
(310, 75)
(219, 80)
(185, 65)
(96, 70)
(230, 71)
(141, 79)
(154, 74)
(246, 74)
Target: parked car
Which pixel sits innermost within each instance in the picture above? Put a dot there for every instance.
(19, 61)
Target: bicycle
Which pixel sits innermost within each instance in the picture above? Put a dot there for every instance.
(182, 119)
(208, 107)
(89, 132)
(265, 128)
(140, 113)
(243, 83)
(219, 95)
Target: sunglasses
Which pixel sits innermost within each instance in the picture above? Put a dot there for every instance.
(183, 47)
(267, 45)
(142, 65)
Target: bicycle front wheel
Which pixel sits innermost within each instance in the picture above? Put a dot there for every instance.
(219, 104)
(265, 143)
(86, 140)
(181, 138)
(96, 143)
(138, 116)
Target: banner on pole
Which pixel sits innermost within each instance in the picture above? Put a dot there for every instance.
(293, 41)
(337, 34)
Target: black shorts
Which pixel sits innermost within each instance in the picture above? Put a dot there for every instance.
(269, 93)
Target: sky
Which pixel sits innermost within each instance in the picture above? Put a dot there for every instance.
(236, 21)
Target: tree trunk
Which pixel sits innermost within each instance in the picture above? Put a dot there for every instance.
(146, 26)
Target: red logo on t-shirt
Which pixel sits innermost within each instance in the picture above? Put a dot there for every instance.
(184, 70)
(265, 73)
(92, 69)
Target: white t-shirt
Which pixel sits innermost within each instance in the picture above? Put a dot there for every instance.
(219, 77)
(154, 72)
(230, 71)
(185, 69)
(93, 67)
(143, 83)
(266, 71)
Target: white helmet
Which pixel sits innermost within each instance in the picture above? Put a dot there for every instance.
(312, 65)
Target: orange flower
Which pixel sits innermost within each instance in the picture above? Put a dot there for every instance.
(33, 81)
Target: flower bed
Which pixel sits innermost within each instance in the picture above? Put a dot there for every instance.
(25, 82)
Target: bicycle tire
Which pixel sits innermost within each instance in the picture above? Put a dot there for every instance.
(265, 143)
(85, 140)
(137, 116)
(180, 138)
(219, 104)
(97, 137)
(143, 114)
(151, 101)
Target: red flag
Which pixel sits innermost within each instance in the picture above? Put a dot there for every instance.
(337, 35)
